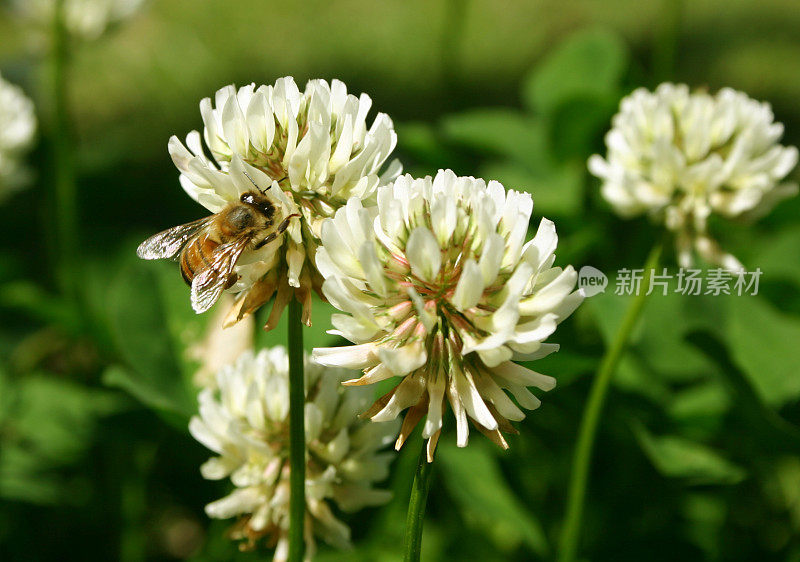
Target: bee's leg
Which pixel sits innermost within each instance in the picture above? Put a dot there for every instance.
(281, 228)
(231, 281)
(265, 241)
(285, 224)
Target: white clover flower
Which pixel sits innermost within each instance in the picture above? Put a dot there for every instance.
(680, 156)
(246, 422)
(441, 289)
(17, 131)
(87, 19)
(318, 148)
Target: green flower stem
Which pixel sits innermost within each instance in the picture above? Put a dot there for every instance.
(665, 49)
(416, 507)
(297, 434)
(454, 20)
(591, 417)
(64, 200)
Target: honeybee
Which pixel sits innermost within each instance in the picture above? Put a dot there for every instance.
(208, 249)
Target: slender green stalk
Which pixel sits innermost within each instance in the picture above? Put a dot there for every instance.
(416, 507)
(297, 434)
(665, 49)
(454, 22)
(64, 198)
(591, 416)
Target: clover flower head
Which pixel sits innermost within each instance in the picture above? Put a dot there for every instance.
(245, 421)
(17, 131)
(441, 289)
(87, 19)
(681, 156)
(315, 144)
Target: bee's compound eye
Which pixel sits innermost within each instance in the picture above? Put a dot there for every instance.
(246, 198)
(267, 208)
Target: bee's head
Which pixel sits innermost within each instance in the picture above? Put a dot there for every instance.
(258, 201)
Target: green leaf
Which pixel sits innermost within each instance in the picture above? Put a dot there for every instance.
(47, 424)
(22, 477)
(502, 132)
(677, 457)
(778, 255)
(705, 400)
(706, 514)
(139, 328)
(7, 394)
(185, 327)
(566, 366)
(33, 300)
(588, 64)
(608, 310)
(57, 416)
(423, 142)
(763, 343)
(555, 191)
(143, 389)
(634, 377)
(658, 343)
(776, 435)
(578, 124)
(474, 480)
(520, 156)
(667, 319)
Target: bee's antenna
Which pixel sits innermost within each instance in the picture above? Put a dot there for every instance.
(254, 183)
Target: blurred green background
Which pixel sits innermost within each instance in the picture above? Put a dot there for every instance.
(698, 456)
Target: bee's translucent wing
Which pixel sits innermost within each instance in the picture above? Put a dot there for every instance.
(167, 244)
(208, 284)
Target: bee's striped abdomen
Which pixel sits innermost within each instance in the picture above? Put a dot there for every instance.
(196, 256)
